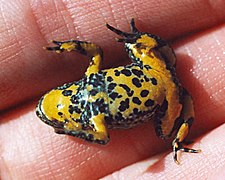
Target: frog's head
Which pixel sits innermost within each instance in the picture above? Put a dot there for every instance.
(55, 109)
(140, 45)
(63, 109)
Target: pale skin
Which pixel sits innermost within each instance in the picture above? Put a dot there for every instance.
(29, 148)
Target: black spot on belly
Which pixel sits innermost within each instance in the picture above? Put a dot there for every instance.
(93, 92)
(125, 87)
(136, 100)
(144, 93)
(75, 99)
(154, 81)
(117, 73)
(99, 106)
(109, 79)
(147, 67)
(136, 111)
(146, 78)
(73, 109)
(136, 72)
(126, 72)
(120, 96)
(113, 95)
(130, 93)
(149, 103)
(60, 113)
(111, 86)
(124, 105)
(136, 82)
(67, 92)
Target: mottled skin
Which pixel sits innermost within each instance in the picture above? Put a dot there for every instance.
(121, 97)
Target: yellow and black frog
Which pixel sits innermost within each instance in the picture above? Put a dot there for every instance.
(121, 97)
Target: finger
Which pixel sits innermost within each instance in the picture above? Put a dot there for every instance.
(26, 70)
(209, 164)
(201, 68)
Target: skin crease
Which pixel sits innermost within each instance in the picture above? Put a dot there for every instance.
(30, 149)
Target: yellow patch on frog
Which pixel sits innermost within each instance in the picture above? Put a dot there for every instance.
(147, 41)
(69, 46)
(94, 67)
(54, 102)
(99, 127)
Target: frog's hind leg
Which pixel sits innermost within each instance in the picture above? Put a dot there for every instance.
(91, 50)
(186, 117)
(175, 113)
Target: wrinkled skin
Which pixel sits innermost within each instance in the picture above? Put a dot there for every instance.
(30, 149)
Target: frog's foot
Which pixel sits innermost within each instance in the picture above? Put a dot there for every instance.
(178, 146)
(82, 47)
(93, 51)
(179, 141)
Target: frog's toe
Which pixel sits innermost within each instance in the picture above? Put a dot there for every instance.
(177, 146)
(57, 49)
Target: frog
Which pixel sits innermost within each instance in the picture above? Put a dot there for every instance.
(121, 97)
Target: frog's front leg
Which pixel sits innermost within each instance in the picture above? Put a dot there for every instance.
(186, 118)
(98, 130)
(93, 130)
(93, 51)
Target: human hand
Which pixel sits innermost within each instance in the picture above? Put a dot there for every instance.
(30, 149)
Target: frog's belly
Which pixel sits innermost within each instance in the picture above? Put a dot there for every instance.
(119, 122)
(132, 97)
